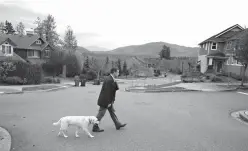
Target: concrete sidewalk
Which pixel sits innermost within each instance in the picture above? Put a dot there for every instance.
(18, 89)
(206, 87)
(210, 87)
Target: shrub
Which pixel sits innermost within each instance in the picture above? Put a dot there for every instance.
(216, 79)
(52, 69)
(31, 72)
(5, 68)
(72, 65)
(50, 80)
(34, 74)
(91, 75)
(14, 80)
(96, 82)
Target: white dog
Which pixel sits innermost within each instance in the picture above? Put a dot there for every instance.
(78, 121)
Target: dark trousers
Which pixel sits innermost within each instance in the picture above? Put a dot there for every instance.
(111, 110)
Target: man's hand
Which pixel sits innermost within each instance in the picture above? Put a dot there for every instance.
(109, 105)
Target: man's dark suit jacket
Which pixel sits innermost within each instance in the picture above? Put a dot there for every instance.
(107, 94)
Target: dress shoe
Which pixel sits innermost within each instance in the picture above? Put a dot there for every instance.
(122, 125)
(96, 128)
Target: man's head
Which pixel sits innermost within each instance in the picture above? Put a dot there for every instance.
(114, 72)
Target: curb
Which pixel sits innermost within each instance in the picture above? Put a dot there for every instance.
(5, 140)
(48, 90)
(159, 90)
(15, 92)
(176, 90)
(243, 116)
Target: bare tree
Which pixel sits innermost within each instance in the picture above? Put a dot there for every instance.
(40, 27)
(20, 28)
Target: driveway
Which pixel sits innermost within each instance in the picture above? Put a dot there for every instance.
(161, 122)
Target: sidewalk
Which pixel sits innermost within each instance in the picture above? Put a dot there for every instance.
(180, 87)
(18, 89)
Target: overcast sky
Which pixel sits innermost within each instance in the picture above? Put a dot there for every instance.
(115, 23)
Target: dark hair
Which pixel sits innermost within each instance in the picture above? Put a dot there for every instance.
(113, 70)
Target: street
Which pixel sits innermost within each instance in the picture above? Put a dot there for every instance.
(180, 121)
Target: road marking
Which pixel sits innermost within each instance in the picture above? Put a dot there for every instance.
(243, 93)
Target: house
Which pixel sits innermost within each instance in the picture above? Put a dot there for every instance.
(30, 47)
(217, 52)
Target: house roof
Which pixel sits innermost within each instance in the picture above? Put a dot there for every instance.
(15, 57)
(239, 35)
(3, 39)
(216, 37)
(23, 42)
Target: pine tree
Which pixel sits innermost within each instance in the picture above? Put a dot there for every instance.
(119, 66)
(70, 42)
(20, 28)
(107, 60)
(2, 28)
(165, 52)
(113, 64)
(124, 69)
(86, 63)
(9, 28)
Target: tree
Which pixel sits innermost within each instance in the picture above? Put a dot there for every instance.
(20, 28)
(119, 66)
(107, 60)
(9, 28)
(2, 28)
(124, 69)
(70, 42)
(113, 64)
(86, 65)
(40, 27)
(72, 65)
(165, 52)
(49, 26)
(241, 53)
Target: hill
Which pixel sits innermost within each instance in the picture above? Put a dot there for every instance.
(97, 49)
(153, 49)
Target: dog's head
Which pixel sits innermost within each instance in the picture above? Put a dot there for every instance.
(93, 120)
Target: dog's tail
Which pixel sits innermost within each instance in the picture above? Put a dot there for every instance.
(57, 123)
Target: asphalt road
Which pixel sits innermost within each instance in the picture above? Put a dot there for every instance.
(189, 121)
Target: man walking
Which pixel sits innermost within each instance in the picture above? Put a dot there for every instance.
(106, 100)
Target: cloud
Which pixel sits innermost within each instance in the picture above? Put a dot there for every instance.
(15, 14)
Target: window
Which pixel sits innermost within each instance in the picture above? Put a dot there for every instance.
(229, 45)
(6, 49)
(232, 61)
(214, 46)
(38, 42)
(47, 53)
(33, 54)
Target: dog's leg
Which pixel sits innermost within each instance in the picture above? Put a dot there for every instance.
(59, 133)
(63, 132)
(88, 133)
(77, 130)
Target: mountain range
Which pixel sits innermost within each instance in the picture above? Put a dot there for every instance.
(149, 49)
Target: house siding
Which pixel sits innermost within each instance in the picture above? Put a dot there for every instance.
(1, 53)
(204, 63)
(234, 69)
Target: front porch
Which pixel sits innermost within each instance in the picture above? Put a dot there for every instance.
(216, 63)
